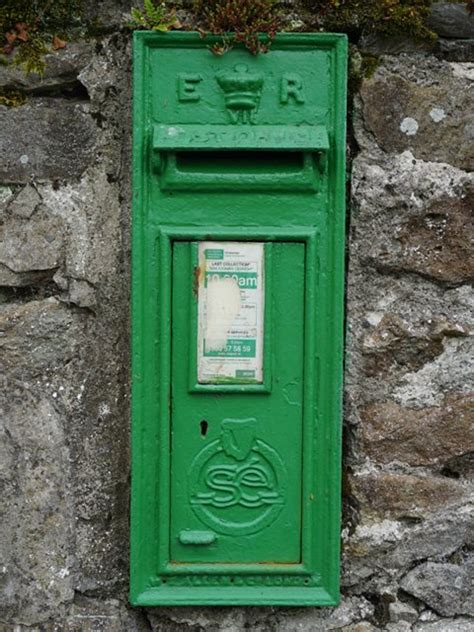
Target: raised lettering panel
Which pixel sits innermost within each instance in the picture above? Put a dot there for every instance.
(204, 92)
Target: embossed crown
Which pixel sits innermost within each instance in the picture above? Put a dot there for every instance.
(242, 88)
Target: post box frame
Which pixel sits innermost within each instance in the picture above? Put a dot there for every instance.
(155, 580)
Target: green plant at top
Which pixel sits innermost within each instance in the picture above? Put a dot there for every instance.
(155, 17)
(32, 28)
(390, 17)
(253, 23)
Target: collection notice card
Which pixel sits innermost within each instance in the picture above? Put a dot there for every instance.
(231, 312)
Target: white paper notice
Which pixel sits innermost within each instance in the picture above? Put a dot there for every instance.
(231, 312)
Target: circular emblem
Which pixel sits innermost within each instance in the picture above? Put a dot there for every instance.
(237, 483)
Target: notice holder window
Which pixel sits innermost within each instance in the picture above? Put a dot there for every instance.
(231, 307)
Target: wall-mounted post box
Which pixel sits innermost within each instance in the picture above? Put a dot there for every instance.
(238, 261)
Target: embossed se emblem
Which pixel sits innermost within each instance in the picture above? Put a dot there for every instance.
(237, 483)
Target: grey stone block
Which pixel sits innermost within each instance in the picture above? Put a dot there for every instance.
(451, 19)
(30, 249)
(45, 139)
(456, 50)
(62, 69)
(422, 105)
(446, 588)
(25, 203)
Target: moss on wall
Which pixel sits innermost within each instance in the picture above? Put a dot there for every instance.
(12, 98)
(254, 23)
(31, 28)
(391, 17)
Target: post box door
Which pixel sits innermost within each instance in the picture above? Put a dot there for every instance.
(236, 449)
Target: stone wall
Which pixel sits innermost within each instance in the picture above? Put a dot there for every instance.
(64, 323)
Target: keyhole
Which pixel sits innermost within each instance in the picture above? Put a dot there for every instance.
(204, 427)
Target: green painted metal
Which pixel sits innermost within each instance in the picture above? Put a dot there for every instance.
(203, 538)
(236, 483)
(258, 137)
(256, 524)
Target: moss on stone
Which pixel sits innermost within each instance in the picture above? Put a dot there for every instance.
(253, 23)
(356, 17)
(31, 28)
(361, 66)
(12, 98)
(155, 17)
(390, 17)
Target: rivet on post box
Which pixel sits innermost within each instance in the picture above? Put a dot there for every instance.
(238, 269)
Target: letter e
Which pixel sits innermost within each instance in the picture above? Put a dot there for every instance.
(187, 88)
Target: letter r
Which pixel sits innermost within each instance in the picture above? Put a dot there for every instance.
(291, 86)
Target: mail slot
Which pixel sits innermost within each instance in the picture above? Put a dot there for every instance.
(238, 269)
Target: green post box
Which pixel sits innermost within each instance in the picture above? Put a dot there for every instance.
(238, 265)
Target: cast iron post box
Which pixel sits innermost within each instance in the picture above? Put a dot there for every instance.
(238, 262)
